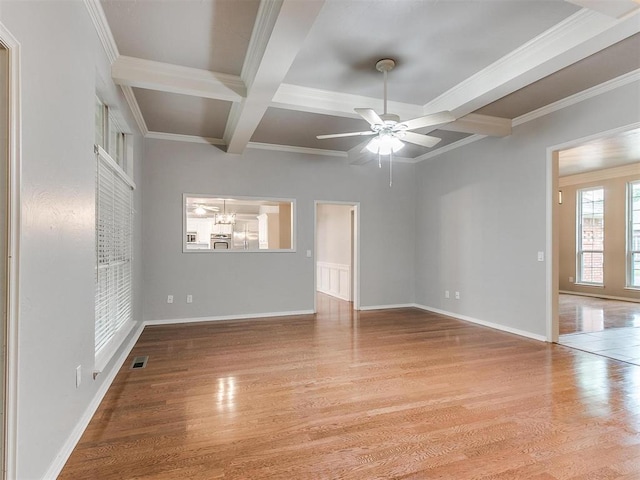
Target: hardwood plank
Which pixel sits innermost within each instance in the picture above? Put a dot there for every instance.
(359, 395)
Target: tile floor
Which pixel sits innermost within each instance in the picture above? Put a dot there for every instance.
(606, 327)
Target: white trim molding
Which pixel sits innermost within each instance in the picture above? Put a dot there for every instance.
(65, 452)
(221, 318)
(597, 295)
(334, 279)
(387, 307)
(175, 137)
(102, 28)
(292, 149)
(14, 167)
(592, 92)
(495, 326)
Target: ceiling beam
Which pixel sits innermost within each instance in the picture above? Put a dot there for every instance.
(313, 100)
(579, 36)
(612, 8)
(165, 77)
(480, 125)
(278, 35)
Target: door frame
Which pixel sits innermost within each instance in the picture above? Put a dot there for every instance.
(10, 427)
(553, 226)
(356, 250)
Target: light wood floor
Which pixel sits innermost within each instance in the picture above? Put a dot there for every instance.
(371, 395)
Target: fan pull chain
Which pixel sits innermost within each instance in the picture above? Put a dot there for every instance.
(379, 159)
(391, 168)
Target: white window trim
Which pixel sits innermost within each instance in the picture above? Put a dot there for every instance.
(629, 240)
(106, 353)
(579, 250)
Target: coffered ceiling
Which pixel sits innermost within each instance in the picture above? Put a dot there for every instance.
(274, 74)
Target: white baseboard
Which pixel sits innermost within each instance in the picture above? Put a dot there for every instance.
(65, 452)
(385, 307)
(246, 316)
(597, 295)
(495, 326)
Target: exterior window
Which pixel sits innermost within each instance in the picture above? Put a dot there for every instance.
(590, 245)
(108, 134)
(633, 235)
(114, 240)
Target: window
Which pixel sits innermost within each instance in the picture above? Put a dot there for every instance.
(108, 133)
(633, 235)
(114, 245)
(590, 244)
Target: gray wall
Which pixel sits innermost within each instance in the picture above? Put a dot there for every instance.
(61, 60)
(481, 215)
(255, 283)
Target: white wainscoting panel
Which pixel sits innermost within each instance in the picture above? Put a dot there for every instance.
(334, 279)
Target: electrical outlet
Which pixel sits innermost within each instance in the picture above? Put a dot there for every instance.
(189, 298)
(308, 253)
(541, 256)
(169, 298)
(78, 375)
(570, 279)
(446, 294)
(457, 295)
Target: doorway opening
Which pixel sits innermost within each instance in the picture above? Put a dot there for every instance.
(592, 303)
(336, 261)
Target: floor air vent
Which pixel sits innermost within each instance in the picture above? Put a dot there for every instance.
(139, 362)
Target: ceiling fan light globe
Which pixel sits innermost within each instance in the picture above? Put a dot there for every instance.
(384, 144)
(200, 210)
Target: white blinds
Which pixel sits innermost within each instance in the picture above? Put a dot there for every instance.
(114, 238)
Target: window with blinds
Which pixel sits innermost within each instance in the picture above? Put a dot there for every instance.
(114, 245)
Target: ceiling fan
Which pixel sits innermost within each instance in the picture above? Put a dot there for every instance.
(202, 209)
(388, 131)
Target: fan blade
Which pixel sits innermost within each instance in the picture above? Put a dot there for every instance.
(423, 140)
(338, 135)
(429, 120)
(370, 116)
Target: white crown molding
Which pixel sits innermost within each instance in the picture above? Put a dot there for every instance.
(102, 28)
(292, 149)
(449, 147)
(630, 170)
(605, 87)
(175, 137)
(165, 77)
(314, 100)
(573, 39)
(135, 110)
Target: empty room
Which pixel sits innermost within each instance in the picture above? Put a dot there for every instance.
(319, 239)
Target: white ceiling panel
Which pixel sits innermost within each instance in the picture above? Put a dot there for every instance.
(437, 44)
